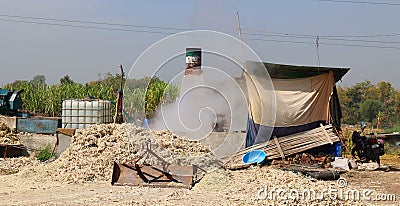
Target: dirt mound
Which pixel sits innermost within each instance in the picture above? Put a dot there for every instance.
(93, 150)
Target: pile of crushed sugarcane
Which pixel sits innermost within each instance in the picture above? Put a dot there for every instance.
(93, 151)
(272, 186)
(13, 165)
(7, 136)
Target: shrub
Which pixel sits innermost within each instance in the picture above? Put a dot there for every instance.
(45, 153)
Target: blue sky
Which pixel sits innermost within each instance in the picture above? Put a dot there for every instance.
(83, 53)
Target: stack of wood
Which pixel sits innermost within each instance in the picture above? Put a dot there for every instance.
(288, 145)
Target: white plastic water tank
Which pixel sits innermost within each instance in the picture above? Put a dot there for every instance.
(79, 114)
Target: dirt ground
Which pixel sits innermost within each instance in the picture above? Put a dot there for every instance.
(31, 187)
(383, 182)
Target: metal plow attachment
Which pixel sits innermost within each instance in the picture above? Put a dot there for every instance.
(155, 176)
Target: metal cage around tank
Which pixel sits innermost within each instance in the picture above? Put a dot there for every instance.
(79, 113)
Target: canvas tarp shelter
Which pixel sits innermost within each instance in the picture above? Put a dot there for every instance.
(290, 99)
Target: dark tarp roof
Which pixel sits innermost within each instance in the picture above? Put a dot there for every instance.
(281, 71)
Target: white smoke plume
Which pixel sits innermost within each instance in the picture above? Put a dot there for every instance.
(203, 100)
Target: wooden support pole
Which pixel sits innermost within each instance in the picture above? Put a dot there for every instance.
(326, 133)
(279, 148)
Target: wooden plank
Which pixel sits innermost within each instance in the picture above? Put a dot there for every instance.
(292, 144)
(306, 147)
(279, 147)
(298, 142)
(240, 166)
(261, 145)
(303, 144)
(298, 148)
(302, 139)
(326, 134)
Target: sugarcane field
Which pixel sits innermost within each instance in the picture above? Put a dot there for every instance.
(199, 103)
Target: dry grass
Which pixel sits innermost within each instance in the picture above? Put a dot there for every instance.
(391, 160)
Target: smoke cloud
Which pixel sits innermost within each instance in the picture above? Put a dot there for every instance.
(210, 101)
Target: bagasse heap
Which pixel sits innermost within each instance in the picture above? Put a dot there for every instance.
(14, 165)
(93, 150)
(179, 144)
(7, 136)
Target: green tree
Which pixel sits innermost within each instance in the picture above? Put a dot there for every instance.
(345, 103)
(385, 91)
(397, 106)
(387, 95)
(351, 99)
(370, 109)
(39, 80)
(66, 80)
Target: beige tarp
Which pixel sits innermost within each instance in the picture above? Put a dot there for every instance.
(294, 101)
